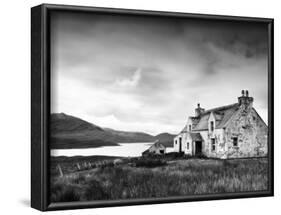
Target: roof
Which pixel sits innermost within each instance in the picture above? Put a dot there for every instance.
(222, 115)
(156, 144)
(195, 136)
(184, 130)
(145, 152)
(194, 119)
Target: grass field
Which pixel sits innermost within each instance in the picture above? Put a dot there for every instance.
(105, 179)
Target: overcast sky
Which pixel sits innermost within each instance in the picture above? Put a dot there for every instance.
(148, 74)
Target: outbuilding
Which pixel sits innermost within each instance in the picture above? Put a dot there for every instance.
(156, 149)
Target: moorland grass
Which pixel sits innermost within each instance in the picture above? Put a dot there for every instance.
(148, 179)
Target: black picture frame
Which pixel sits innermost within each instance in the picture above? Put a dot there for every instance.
(40, 108)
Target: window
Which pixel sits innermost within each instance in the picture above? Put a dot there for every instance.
(189, 127)
(161, 151)
(235, 141)
(187, 145)
(176, 142)
(213, 143)
(212, 125)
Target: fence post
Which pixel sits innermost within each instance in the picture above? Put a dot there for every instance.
(60, 170)
(78, 166)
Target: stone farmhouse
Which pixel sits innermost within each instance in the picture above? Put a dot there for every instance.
(231, 131)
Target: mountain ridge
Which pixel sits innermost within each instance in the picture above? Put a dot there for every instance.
(72, 132)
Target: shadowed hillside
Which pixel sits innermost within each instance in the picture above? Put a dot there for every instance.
(71, 132)
(61, 122)
(127, 137)
(166, 139)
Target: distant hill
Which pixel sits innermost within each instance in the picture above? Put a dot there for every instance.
(166, 139)
(72, 132)
(61, 122)
(130, 137)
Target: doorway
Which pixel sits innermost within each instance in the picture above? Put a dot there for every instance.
(198, 147)
(180, 144)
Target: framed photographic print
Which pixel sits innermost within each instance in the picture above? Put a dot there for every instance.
(141, 107)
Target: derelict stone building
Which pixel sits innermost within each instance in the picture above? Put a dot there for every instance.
(231, 131)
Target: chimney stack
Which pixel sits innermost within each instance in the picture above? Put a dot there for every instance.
(244, 100)
(199, 110)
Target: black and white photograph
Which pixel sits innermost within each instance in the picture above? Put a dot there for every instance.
(145, 107)
(140, 107)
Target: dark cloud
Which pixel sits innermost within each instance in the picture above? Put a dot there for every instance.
(153, 69)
